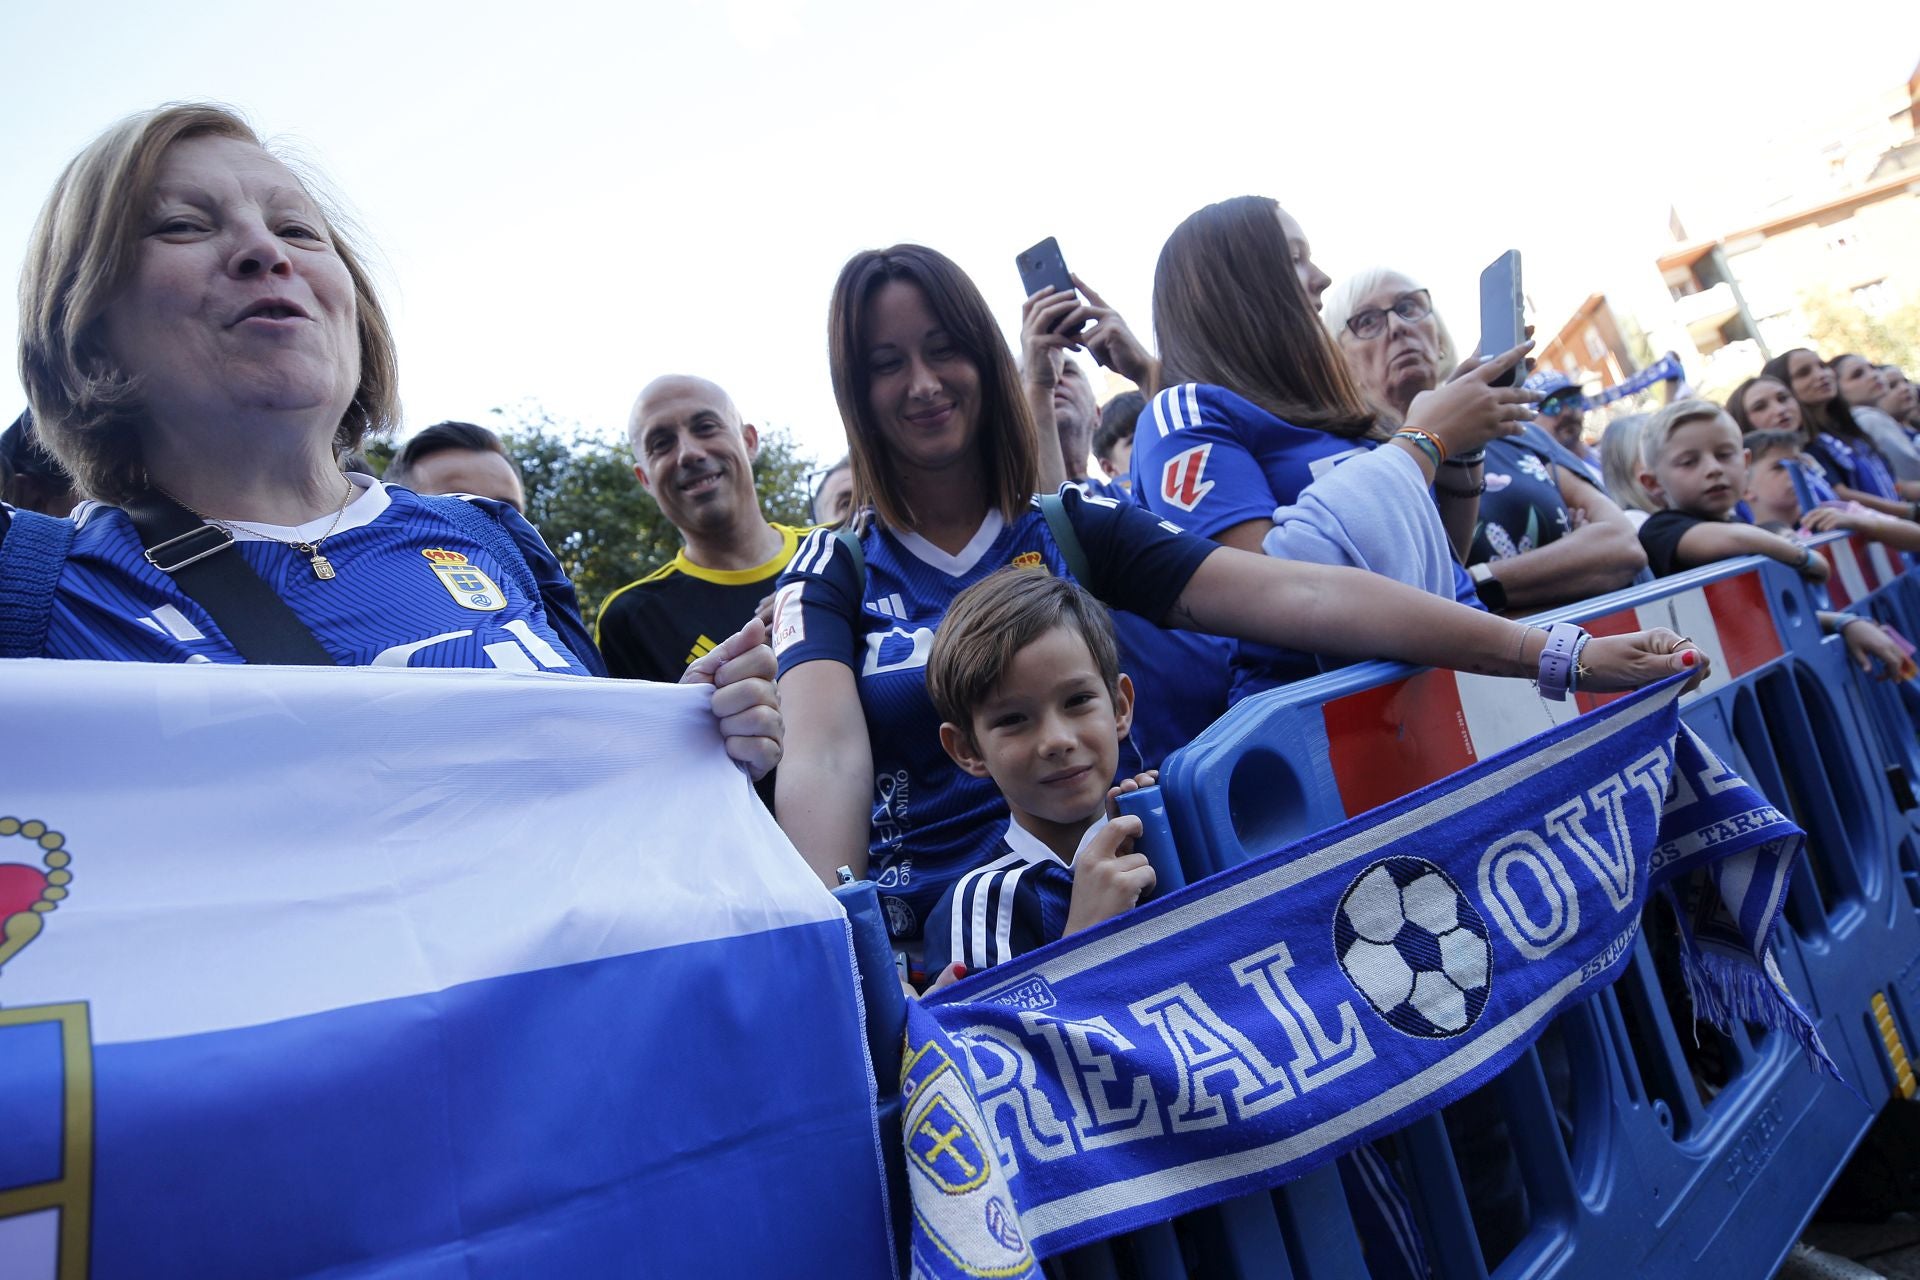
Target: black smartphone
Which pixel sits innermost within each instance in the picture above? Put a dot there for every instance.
(1503, 321)
(1041, 266)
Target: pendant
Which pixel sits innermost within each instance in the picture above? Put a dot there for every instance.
(322, 567)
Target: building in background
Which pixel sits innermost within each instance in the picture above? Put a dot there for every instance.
(1829, 215)
(1764, 234)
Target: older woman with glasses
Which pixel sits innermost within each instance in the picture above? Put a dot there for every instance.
(1544, 533)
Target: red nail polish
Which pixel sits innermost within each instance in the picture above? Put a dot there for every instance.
(959, 970)
(1688, 658)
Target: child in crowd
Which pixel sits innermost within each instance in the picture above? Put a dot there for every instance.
(1026, 677)
(1693, 464)
(1776, 503)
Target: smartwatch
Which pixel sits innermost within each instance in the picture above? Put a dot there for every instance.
(1491, 591)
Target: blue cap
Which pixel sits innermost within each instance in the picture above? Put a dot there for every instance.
(1549, 381)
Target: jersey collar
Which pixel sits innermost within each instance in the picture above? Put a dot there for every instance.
(1034, 849)
(789, 540)
(954, 566)
(366, 507)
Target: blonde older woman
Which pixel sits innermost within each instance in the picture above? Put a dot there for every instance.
(198, 342)
(1542, 534)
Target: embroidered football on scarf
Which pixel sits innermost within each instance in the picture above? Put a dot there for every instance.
(1415, 947)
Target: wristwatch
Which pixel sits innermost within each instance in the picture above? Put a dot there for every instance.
(1491, 591)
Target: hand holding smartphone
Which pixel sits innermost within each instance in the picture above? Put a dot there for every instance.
(1503, 321)
(1043, 266)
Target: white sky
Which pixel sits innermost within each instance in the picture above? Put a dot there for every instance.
(565, 200)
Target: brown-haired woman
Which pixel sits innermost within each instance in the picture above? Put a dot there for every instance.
(1262, 441)
(944, 459)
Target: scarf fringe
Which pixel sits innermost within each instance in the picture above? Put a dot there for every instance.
(1726, 988)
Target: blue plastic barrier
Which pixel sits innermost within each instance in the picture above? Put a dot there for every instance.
(1628, 1141)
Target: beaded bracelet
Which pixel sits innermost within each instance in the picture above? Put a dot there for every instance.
(1460, 491)
(1427, 442)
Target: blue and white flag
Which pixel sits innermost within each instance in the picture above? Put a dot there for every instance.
(1238, 1033)
(424, 973)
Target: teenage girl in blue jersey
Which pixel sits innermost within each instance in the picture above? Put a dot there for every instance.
(194, 330)
(944, 462)
(1260, 440)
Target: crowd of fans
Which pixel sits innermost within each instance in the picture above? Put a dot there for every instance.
(1014, 603)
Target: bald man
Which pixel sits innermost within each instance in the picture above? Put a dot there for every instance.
(695, 456)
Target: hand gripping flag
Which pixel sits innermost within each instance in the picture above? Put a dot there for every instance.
(424, 973)
(1236, 1034)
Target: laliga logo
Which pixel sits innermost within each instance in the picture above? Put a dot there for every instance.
(28, 893)
(1180, 481)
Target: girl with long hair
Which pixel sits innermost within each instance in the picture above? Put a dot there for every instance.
(1853, 466)
(1261, 440)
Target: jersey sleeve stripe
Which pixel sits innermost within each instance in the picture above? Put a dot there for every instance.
(1003, 922)
(1193, 404)
(1162, 404)
(814, 553)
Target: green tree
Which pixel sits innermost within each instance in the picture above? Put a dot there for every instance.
(606, 531)
(1837, 324)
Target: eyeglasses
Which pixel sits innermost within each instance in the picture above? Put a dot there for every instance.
(1558, 404)
(1371, 323)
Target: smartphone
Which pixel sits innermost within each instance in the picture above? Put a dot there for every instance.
(1503, 321)
(1041, 266)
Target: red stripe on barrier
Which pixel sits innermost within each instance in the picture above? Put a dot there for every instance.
(1868, 569)
(1613, 624)
(1748, 637)
(1839, 588)
(1397, 738)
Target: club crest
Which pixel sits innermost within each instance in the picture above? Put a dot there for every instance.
(469, 587)
(28, 894)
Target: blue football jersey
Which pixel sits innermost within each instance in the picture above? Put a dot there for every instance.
(930, 821)
(1006, 907)
(410, 590)
(1211, 459)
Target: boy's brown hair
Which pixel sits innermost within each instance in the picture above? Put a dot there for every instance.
(996, 618)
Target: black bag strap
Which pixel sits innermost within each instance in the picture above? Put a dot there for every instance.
(201, 560)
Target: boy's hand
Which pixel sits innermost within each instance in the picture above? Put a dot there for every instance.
(1827, 519)
(1137, 781)
(1108, 876)
(1868, 641)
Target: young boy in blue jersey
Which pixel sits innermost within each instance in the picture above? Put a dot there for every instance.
(1026, 677)
(1776, 503)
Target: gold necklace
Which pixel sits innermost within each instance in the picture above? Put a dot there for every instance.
(322, 567)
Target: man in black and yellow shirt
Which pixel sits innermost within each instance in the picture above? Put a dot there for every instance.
(695, 456)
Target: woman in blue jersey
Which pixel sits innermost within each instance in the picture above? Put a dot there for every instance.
(944, 463)
(1260, 440)
(198, 343)
(1545, 533)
